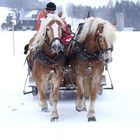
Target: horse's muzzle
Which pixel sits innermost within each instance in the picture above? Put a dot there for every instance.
(107, 56)
(57, 45)
(108, 60)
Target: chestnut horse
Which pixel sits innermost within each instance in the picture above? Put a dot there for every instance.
(93, 52)
(46, 59)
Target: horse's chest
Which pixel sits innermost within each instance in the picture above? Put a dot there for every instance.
(91, 69)
(46, 68)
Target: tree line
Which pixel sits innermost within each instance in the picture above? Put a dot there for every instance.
(130, 9)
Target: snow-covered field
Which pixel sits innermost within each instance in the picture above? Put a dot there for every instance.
(117, 111)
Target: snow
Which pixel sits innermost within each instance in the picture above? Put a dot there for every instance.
(117, 110)
(4, 13)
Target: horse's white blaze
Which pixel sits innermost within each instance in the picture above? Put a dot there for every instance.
(55, 29)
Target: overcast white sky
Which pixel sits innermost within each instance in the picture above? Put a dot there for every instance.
(91, 3)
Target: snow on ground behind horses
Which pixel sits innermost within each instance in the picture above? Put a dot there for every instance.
(117, 111)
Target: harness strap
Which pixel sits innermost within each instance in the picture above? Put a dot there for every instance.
(111, 86)
(47, 60)
(84, 55)
(43, 58)
(31, 60)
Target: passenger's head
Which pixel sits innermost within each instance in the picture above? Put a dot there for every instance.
(50, 7)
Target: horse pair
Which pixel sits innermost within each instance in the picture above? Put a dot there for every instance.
(90, 49)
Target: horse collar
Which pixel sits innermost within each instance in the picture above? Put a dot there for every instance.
(84, 55)
(47, 60)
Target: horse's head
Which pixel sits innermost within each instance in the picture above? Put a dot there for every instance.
(104, 47)
(54, 32)
(99, 35)
(51, 31)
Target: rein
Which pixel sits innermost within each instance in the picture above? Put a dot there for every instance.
(100, 46)
(84, 55)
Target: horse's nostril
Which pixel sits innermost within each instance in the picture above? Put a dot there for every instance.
(108, 60)
(54, 47)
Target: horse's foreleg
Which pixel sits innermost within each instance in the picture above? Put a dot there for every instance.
(91, 112)
(42, 99)
(54, 99)
(92, 98)
(80, 102)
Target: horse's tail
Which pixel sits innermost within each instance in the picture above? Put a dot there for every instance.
(26, 48)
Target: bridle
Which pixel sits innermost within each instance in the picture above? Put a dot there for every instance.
(51, 41)
(83, 54)
(100, 39)
(59, 47)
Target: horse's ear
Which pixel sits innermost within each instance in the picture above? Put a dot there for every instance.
(80, 27)
(26, 48)
(100, 27)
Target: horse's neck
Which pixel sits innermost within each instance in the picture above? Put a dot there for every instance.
(90, 44)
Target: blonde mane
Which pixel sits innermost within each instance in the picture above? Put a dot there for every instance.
(40, 36)
(90, 26)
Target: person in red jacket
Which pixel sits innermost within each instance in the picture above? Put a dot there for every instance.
(67, 36)
(67, 33)
(50, 8)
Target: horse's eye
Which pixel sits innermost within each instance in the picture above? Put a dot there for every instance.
(47, 28)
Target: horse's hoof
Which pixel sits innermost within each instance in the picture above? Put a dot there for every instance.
(54, 116)
(54, 119)
(80, 109)
(44, 110)
(84, 109)
(92, 119)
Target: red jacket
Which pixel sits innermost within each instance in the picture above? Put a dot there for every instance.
(67, 34)
(42, 14)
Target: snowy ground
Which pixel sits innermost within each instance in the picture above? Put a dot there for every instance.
(117, 111)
